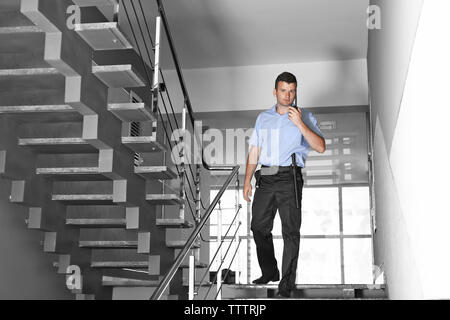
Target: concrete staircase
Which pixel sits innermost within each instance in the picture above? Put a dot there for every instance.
(68, 98)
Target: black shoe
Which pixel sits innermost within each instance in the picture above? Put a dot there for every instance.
(283, 294)
(265, 280)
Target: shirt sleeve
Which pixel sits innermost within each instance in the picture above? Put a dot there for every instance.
(313, 124)
(255, 137)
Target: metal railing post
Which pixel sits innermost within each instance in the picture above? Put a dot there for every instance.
(238, 221)
(155, 86)
(219, 241)
(182, 164)
(198, 199)
(191, 277)
(116, 11)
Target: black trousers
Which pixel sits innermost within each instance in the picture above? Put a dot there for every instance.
(276, 192)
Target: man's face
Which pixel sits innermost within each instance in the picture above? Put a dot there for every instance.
(285, 93)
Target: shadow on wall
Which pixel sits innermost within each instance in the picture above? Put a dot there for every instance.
(344, 82)
(26, 272)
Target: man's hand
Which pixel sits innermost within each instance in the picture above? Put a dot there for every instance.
(252, 163)
(316, 142)
(295, 115)
(247, 191)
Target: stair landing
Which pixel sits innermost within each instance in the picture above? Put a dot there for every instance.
(306, 291)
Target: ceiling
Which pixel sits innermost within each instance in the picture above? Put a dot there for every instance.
(221, 33)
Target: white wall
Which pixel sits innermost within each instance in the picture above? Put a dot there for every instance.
(324, 83)
(411, 153)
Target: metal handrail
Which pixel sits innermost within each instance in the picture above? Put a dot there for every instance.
(183, 253)
(183, 85)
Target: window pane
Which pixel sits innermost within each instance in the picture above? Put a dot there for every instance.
(358, 261)
(319, 262)
(356, 210)
(228, 199)
(320, 211)
(345, 158)
(227, 216)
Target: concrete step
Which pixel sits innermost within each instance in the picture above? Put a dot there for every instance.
(178, 244)
(132, 58)
(83, 192)
(41, 113)
(118, 76)
(80, 199)
(108, 238)
(164, 199)
(155, 172)
(103, 36)
(131, 112)
(21, 109)
(128, 282)
(10, 5)
(57, 145)
(91, 3)
(174, 223)
(96, 216)
(125, 258)
(98, 223)
(28, 79)
(78, 173)
(307, 291)
(22, 47)
(312, 286)
(52, 96)
(108, 244)
(10, 15)
(144, 144)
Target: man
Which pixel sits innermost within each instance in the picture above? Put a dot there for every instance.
(279, 132)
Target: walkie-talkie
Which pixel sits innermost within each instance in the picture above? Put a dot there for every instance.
(295, 99)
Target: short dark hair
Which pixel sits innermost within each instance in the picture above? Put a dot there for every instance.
(286, 77)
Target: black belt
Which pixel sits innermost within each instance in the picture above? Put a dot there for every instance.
(280, 168)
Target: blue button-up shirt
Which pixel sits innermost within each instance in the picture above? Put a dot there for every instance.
(279, 138)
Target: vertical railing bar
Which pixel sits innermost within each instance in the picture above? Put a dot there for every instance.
(191, 277)
(155, 87)
(116, 11)
(219, 240)
(237, 205)
(182, 165)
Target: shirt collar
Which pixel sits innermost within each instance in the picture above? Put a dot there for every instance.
(273, 110)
